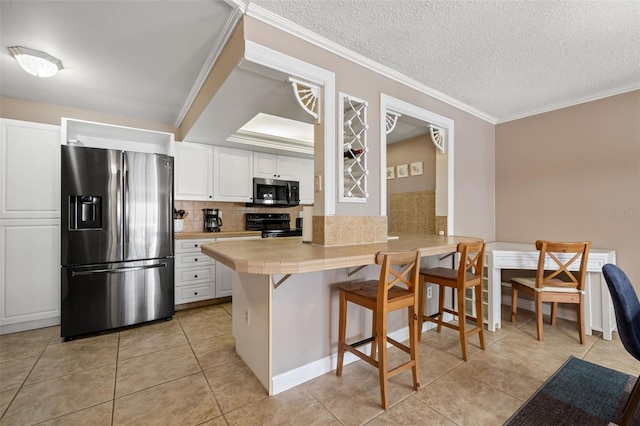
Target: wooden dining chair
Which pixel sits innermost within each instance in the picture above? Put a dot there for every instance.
(396, 289)
(560, 278)
(468, 275)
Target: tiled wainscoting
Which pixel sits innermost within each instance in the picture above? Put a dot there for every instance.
(415, 212)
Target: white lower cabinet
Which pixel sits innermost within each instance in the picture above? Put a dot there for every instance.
(29, 274)
(224, 280)
(195, 276)
(224, 274)
(199, 277)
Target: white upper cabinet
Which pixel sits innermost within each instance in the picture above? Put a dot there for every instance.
(30, 170)
(305, 177)
(272, 166)
(232, 180)
(193, 171)
(215, 173)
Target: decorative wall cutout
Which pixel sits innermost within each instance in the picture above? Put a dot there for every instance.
(307, 96)
(354, 148)
(391, 120)
(437, 137)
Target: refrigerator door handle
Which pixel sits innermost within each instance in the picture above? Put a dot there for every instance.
(119, 207)
(125, 219)
(117, 271)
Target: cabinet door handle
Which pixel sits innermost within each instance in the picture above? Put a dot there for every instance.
(195, 293)
(196, 259)
(195, 276)
(195, 245)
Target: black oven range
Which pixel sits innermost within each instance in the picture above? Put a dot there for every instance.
(272, 225)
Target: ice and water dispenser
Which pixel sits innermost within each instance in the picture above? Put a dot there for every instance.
(85, 212)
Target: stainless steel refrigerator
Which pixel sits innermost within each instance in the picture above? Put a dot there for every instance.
(117, 249)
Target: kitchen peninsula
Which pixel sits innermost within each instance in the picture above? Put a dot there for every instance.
(285, 304)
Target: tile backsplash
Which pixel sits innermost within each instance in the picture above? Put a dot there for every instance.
(349, 230)
(416, 212)
(233, 214)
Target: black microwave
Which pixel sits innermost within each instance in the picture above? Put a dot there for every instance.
(275, 192)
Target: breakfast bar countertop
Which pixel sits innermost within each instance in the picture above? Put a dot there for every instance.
(212, 235)
(292, 256)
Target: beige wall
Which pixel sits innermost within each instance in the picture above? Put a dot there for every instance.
(21, 109)
(229, 58)
(408, 151)
(474, 138)
(573, 174)
(419, 148)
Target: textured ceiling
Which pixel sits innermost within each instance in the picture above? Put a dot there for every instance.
(506, 59)
(502, 59)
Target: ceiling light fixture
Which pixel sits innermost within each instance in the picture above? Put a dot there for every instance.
(36, 63)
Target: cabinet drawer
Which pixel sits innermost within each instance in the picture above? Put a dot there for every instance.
(193, 293)
(190, 246)
(194, 276)
(192, 260)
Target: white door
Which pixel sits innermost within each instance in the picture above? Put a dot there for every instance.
(305, 176)
(30, 271)
(265, 165)
(232, 175)
(30, 170)
(287, 167)
(193, 171)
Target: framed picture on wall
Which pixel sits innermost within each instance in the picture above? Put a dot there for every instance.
(416, 168)
(403, 170)
(391, 173)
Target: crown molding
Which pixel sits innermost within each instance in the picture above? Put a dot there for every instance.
(298, 31)
(226, 33)
(271, 142)
(601, 95)
(237, 4)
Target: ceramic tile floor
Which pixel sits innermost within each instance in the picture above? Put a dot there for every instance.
(186, 372)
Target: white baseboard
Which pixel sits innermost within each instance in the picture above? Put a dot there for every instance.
(29, 325)
(302, 374)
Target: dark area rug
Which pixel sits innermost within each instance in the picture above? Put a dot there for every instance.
(579, 393)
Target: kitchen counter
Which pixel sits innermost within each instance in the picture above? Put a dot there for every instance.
(291, 256)
(212, 235)
(285, 300)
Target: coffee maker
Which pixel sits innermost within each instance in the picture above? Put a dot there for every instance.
(212, 220)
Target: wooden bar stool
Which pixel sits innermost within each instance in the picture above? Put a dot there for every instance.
(468, 275)
(384, 296)
(554, 282)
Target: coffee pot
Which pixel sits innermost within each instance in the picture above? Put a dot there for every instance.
(212, 220)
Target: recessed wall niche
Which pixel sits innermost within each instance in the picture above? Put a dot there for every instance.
(353, 140)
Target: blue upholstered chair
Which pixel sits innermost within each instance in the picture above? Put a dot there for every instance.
(627, 309)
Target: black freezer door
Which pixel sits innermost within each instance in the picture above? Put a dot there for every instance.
(102, 297)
